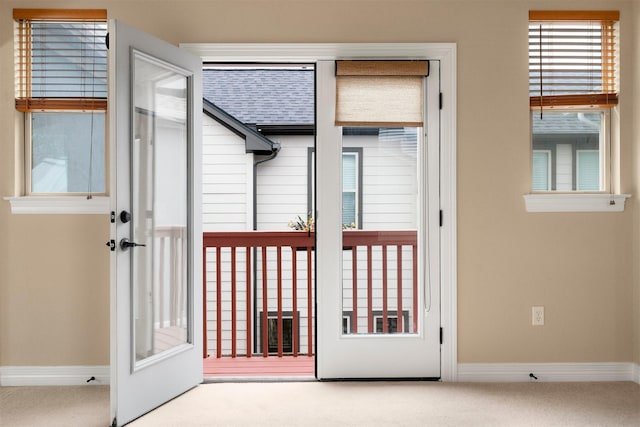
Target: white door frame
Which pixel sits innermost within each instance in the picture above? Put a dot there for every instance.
(446, 54)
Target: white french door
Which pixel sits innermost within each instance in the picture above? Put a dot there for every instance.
(378, 307)
(155, 105)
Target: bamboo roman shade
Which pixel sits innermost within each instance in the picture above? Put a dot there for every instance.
(573, 58)
(380, 93)
(61, 59)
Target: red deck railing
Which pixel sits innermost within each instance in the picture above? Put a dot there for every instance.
(265, 257)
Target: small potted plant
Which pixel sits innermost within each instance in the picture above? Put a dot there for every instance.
(302, 225)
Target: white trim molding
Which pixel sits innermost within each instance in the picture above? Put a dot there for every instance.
(59, 205)
(579, 202)
(312, 52)
(636, 373)
(546, 372)
(53, 375)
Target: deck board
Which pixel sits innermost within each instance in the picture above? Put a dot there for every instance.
(272, 366)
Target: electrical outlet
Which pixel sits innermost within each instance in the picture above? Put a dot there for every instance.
(537, 315)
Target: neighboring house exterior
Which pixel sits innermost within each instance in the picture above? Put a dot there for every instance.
(566, 152)
(258, 169)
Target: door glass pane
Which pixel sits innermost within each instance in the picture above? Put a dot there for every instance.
(159, 205)
(380, 258)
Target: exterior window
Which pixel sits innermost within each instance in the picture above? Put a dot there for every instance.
(568, 150)
(587, 170)
(351, 186)
(62, 158)
(349, 189)
(392, 322)
(61, 87)
(572, 87)
(541, 170)
(288, 332)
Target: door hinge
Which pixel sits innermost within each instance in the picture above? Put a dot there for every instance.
(441, 334)
(114, 423)
(441, 217)
(113, 217)
(112, 245)
(440, 100)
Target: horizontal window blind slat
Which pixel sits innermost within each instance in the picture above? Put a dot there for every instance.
(61, 60)
(61, 14)
(595, 100)
(574, 15)
(572, 62)
(43, 104)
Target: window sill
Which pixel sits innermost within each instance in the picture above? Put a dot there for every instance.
(582, 202)
(59, 205)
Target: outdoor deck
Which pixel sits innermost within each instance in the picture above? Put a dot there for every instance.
(247, 367)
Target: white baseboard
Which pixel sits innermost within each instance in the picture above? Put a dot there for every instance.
(53, 375)
(467, 372)
(548, 372)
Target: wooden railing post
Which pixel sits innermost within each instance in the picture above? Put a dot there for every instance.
(205, 344)
(294, 302)
(265, 306)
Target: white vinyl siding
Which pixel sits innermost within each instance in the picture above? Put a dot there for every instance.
(282, 184)
(564, 167)
(226, 183)
(392, 192)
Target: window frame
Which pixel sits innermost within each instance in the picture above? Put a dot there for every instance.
(293, 321)
(604, 150)
(605, 200)
(30, 202)
(28, 158)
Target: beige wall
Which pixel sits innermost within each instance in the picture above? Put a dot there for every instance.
(581, 267)
(635, 154)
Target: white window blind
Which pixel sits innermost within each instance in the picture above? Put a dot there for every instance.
(573, 57)
(61, 59)
(380, 93)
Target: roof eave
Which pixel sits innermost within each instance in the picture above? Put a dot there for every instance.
(254, 141)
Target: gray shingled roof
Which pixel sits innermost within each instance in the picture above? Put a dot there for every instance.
(278, 96)
(565, 122)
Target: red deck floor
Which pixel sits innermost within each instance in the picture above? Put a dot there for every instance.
(273, 366)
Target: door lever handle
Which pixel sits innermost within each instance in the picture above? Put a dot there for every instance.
(126, 244)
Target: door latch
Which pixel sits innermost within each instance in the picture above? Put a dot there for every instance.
(112, 245)
(126, 244)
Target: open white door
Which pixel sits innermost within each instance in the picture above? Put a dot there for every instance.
(155, 105)
(378, 310)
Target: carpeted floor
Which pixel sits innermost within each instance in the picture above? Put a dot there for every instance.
(342, 404)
